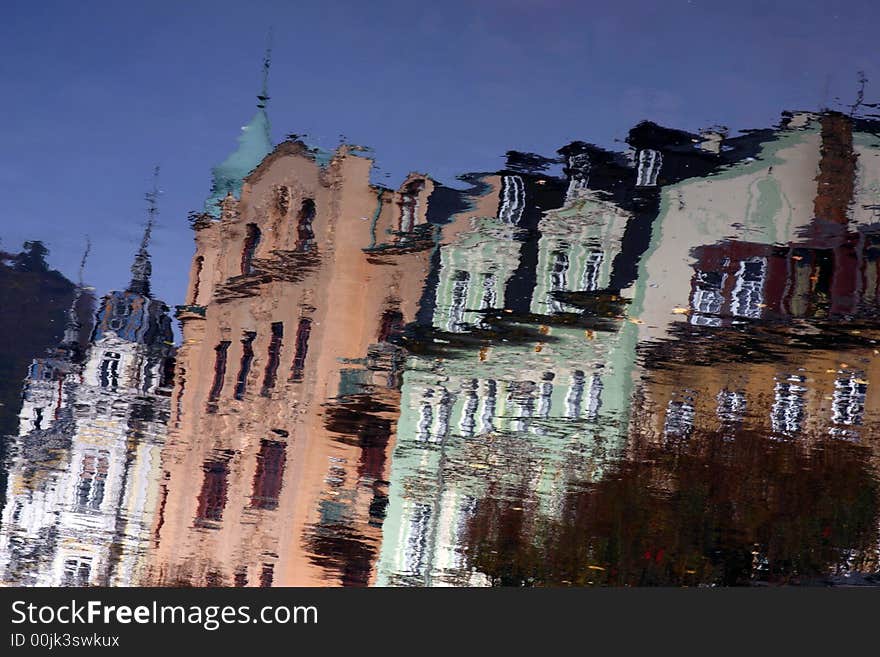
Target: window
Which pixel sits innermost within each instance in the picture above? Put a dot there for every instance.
(181, 391)
(650, 162)
(592, 268)
(426, 417)
(545, 395)
(150, 373)
(575, 395)
(282, 199)
(251, 243)
(731, 406)
(247, 357)
(92, 480)
(679, 417)
(390, 325)
(513, 200)
(443, 414)
(490, 296)
(167, 368)
(594, 396)
(213, 579)
(378, 507)
(109, 371)
(748, 292)
(559, 270)
(787, 413)
(302, 349)
(409, 205)
(707, 298)
(305, 235)
(76, 571)
(275, 344)
(487, 418)
(212, 498)
(266, 575)
(467, 423)
(417, 539)
(558, 276)
(460, 283)
(269, 474)
(520, 395)
(197, 278)
(219, 370)
(848, 401)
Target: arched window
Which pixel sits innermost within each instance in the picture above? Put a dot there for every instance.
(251, 242)
(409, 205)
(282, 199)
(305, 235)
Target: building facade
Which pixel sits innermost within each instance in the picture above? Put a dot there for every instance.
(84, 473)
(275, 471)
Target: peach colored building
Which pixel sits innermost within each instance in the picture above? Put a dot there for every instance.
(276, 465)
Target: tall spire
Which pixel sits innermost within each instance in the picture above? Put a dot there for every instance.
(254, 143)
(141, 268)
(73, 326)
(263, 98)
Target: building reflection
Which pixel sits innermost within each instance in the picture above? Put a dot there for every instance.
(799, 305)
(737, 264)
(84, 471)
(275, 471)
(654, 366)
(540, 392)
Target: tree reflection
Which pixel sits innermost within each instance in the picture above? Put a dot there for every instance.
(709, 511)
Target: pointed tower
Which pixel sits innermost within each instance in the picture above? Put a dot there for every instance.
(133, 314)
(142, 268)
(254, 143)
(73, 327)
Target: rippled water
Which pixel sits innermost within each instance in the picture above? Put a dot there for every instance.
(656, 365)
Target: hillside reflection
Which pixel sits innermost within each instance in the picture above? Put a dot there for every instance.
(656, 366)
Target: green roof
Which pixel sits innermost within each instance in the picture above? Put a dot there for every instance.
(254, 144)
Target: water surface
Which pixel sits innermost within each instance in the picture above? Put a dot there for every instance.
(655, 365)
